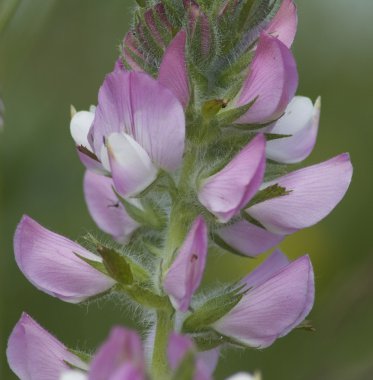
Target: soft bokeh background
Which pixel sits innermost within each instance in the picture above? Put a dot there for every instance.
(56, 53)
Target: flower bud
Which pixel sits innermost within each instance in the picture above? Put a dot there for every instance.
(301, 121)
(34, 354)
(185, 274)
(55, 264)
(228, 191)
(173, 70)
(314, 192)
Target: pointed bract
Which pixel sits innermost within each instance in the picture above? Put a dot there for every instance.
(249, 239)
(284, 25)
(121, 354)
(131, 167)
(315, 192)
(185, 274)
(272, 80)
(301, 121)
(34, 354)
(229, 190)
(173, 70)
(138, 105)
(51, 263)
(277, 302)
(106, 210)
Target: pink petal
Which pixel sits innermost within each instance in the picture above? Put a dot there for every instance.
(274, 263)
(90, 163)
(315, 192)
(128, 372)
(34, 354)
(131, 168)
(273, 307)
(206, 362)
(173, 70)
(301, 121)
(50, 263)
(249, 239)
(121, 348)
(185, 274)
(105, 208)
(272, 79)
(138, 105)
(284, 25)
(226, 192)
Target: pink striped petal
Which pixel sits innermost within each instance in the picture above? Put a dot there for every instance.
(226, 192)
(272, 79)
(315, 192)
(249, 239)
(301, 121)
(272, 308)
(131, 167)
(105, 208)
(123, 347)
(284, 25)
(185, 274)
(50, 263)
(34, 354)
(138, 105)
(173, 70)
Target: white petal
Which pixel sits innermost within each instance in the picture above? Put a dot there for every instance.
(79, 127)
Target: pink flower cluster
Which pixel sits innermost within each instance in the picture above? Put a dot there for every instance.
(139, 141)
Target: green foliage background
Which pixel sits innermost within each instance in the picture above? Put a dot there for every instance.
(56, 53)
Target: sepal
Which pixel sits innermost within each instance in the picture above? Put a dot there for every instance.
(212, 310)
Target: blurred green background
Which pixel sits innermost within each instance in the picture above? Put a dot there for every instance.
(56, 53)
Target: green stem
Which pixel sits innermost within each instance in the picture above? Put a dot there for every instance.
(164, 325)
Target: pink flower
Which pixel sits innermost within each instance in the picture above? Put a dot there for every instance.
(136, 121)
(225, 193)
(314, 192)
(185, 274)
(272, 80)
(34, 354)
(51, 262)
(280, 296)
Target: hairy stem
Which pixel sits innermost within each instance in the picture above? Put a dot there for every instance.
(164, 326)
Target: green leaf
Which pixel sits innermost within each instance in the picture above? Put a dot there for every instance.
(186, 368)
(147, 297)
(116, 265)
(147, 216)
(275, 170)
(226, 118)
(270, 192)
(212, 310)
(275, 136)
(222, 244)
(209, 341)
(81, 355)
(98, 265)
(306, 325)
